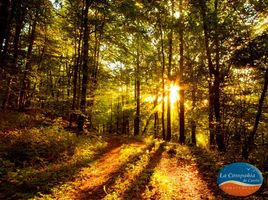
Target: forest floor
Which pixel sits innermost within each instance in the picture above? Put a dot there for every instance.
(40, 159)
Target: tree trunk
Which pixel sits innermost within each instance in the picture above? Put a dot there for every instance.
(147, 124)
(156, 119)
(193, 130)
(182, 108)
(137, 114)
(8, 91)
(4, 11)
(111, 118)
(118, 119)
(250, 140)
(19, 17)
(76, 68)
(7, 31)
(150, 117)
(211, 115)
(27, 70)
(163, 79)
(218, 131)
(214, 101)
(123, 130)
(94, 72)
(81, 118)
(168, 138)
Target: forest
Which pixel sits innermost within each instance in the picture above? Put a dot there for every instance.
(131, 99)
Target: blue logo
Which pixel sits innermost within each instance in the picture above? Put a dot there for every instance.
(240, 179)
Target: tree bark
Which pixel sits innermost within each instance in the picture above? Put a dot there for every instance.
(4, 12)
(81, 118)
(182, 108)
(137, 114)
(27, 70)
(76, 68)
(211, 115)
(193, 123)
(8, 91)
(118, 119)
(111, 118)
(138, 85)
(214, 90)
(7, 29)
(156, 119)
(163, 79)
(250, 140)
(218, 131)
(170, 51)
(19, 17)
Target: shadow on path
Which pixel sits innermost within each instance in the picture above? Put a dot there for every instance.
(44, 181)
(98, 192)
(138, 187)
(208, 170)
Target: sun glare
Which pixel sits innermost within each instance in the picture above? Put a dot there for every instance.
(177, 14)
(174, 93)
(174, 96)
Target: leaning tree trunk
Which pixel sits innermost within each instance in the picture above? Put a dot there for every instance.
(151, 117)
(250, 140)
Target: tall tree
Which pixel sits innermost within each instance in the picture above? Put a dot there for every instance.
(25, 79)
(254, 54)
(181, 77)
(85, 70)
(170, 57)
(137, 89)
(214, 74)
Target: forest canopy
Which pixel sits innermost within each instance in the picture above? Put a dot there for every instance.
(183, 69)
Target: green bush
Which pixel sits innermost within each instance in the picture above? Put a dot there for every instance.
(38, 146)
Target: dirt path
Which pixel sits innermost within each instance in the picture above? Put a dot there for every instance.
(181, 178)
(130, 169)
(90, 181)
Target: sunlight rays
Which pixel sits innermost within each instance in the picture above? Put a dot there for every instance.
(174, 93)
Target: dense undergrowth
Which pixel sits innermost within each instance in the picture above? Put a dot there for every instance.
(33, 159)
(41, 159)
